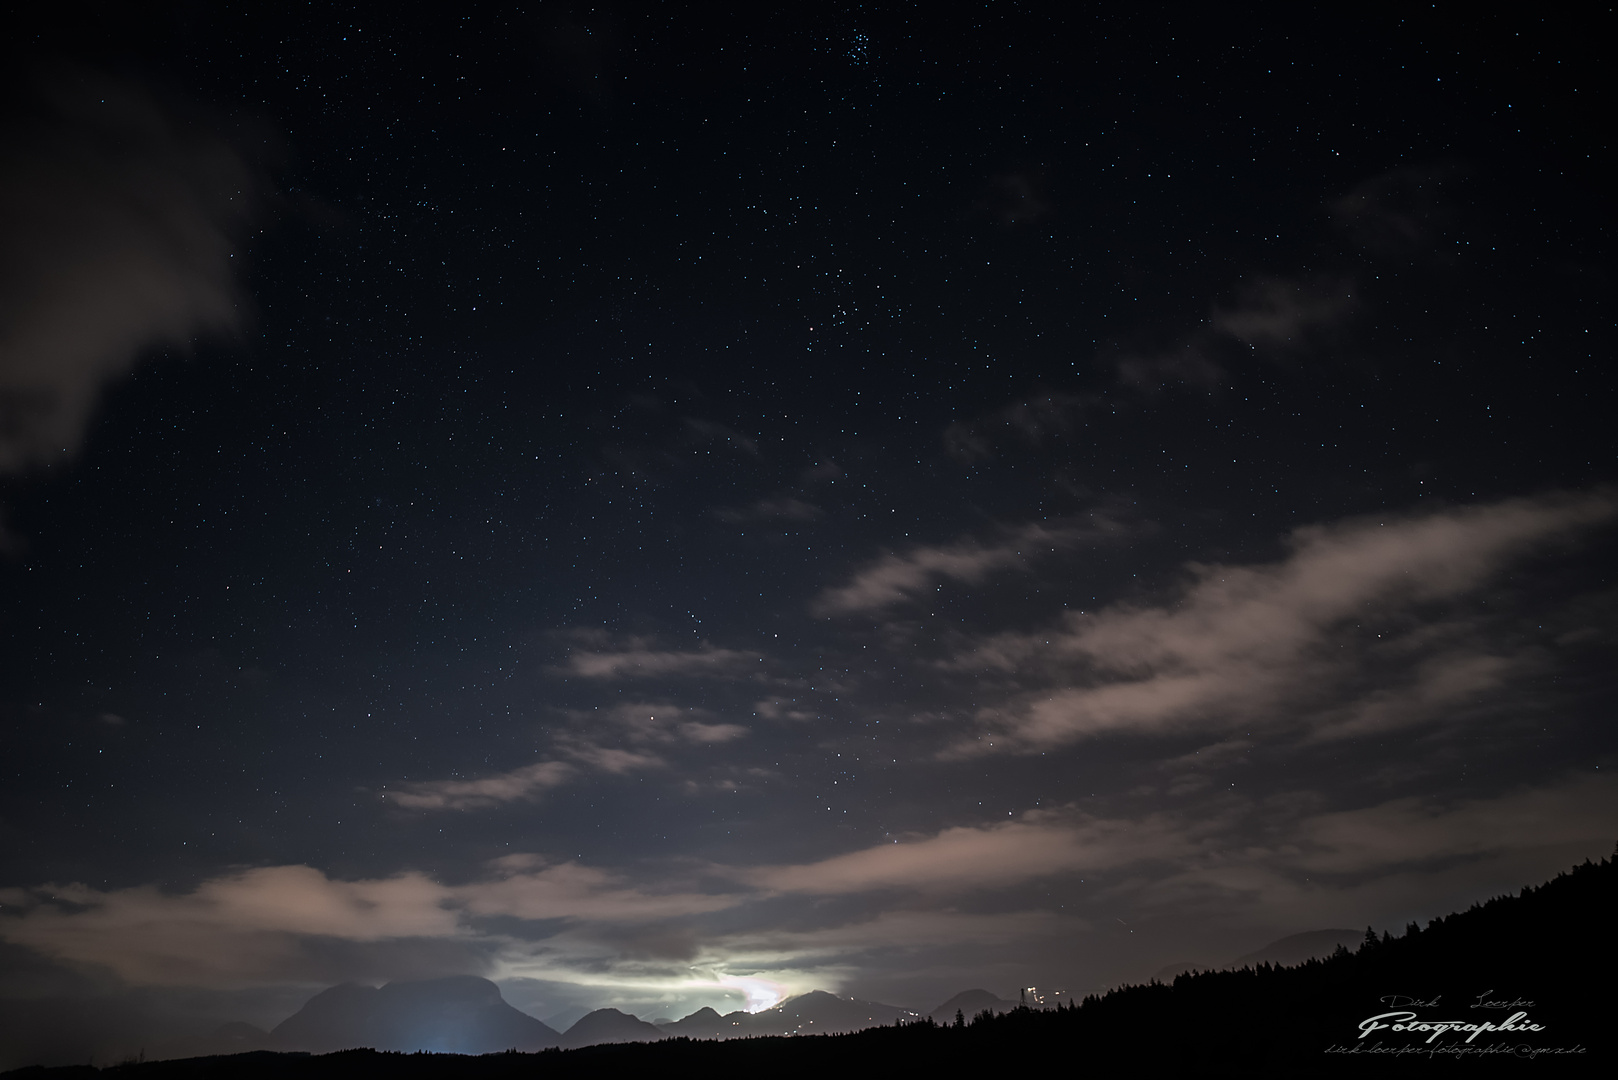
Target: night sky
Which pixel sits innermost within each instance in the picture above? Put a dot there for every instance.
(663, 506)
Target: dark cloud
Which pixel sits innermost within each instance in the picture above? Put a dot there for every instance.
(1400, 212)
(1282, 316)
(703, 432)
(1278, 320)
(1029, 422)
(1018, 198)
(1186, 366)
(579, 50)
(821, 472)
(118, 233)
(782, 508)
(295, 924)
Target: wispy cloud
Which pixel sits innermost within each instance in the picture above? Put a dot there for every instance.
(642, 658)
(1280, 314)
(783, 709)
(1399, 212)
(989, 857)
(628, 738)
(1031, 421)
(699, 431)
(1187, 364)
(782, 508)
(530, 887)
(1277, 318)
(901, 577)
(524, 783)
(648, 724)
(1214, 843)
(1283, 642)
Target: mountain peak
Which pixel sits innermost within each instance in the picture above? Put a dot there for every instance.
(610, 1026)
(969, 1003)
(462, 1014)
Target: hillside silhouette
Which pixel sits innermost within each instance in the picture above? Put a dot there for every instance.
(1541, 959)
(1289, 951)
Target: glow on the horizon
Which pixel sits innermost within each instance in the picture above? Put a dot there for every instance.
(702, 986)
(760, 993)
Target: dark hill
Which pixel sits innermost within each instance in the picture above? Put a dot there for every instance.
(461, 1014)
(969, 1003)
(609, 1026)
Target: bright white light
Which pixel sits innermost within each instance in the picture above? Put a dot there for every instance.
(761, 993)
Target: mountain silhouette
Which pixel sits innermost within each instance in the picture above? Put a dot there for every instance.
(460, 1014)
(819, 1012)
(969, 1003)
(610, 1026)
(705, 1023)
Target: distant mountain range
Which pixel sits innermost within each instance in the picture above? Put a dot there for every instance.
(814, 1013)
(467, 1015)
